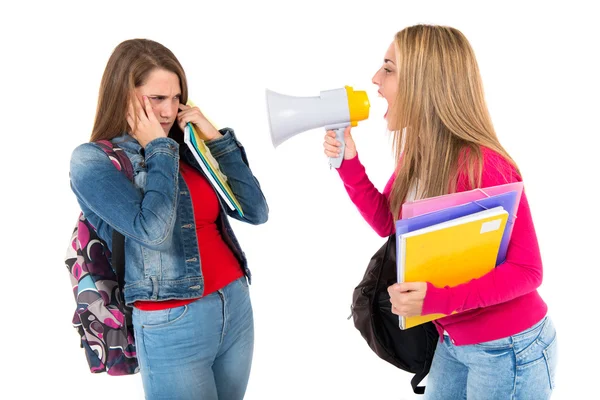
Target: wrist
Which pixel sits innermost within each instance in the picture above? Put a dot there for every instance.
(436, 300)
(146, 142)
(208, 131)
(213, 135)
(350, 156)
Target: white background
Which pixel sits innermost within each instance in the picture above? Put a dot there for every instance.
(540, 70)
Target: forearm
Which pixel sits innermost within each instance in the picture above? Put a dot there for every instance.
(520, 274)
(101, 189)
(233, 162)
(372, 204)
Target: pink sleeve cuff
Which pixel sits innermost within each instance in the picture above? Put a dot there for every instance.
(436, 300)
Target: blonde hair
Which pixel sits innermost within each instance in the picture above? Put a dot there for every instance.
(128, 67)
(440, 112)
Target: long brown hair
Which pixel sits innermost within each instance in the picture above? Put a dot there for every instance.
(128, 67)
(441, 114)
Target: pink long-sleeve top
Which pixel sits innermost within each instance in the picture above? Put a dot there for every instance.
(501, 303)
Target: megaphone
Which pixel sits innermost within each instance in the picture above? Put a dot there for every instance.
(333, 109)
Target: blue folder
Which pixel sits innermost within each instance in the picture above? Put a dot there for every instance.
(506, 200)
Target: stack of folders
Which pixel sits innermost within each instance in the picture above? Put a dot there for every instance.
(210, 167)
(449, 240)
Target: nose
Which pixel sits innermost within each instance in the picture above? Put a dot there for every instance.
(165, 111)
(375, 78)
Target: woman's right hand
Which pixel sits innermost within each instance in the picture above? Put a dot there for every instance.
(148, 128)
(332, 145)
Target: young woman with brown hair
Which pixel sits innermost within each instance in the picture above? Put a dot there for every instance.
(186, 274)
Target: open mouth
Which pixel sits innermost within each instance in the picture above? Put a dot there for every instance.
(386, 111)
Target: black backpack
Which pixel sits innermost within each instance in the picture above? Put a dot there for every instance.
(410, 350)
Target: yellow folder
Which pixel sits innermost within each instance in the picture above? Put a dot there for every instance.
(213, 166)
(208, 161)
(450, 253)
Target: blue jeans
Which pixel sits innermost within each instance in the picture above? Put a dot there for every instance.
(202, 350)
(516, 367)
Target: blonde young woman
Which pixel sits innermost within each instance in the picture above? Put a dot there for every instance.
(504, 346)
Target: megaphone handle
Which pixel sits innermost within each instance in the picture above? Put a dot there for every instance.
(336, 162)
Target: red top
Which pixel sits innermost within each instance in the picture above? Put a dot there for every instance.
(501, 303)
(219, 265)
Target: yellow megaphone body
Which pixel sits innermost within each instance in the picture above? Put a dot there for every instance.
(333, 109)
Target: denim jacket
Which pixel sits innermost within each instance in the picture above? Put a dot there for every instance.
(155, 214)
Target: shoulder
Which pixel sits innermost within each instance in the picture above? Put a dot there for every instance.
(85, 152)
(86, 157)
(497, 169)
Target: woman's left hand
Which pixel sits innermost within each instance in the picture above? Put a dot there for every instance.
(407, 298)
(205, 129)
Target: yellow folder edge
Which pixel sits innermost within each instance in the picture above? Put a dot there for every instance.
(213, 163)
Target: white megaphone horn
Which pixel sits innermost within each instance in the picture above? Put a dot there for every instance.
(332, 109)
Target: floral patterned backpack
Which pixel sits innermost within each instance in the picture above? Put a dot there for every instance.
(101, 318)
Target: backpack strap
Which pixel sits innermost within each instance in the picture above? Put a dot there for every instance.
(414, 382)
(122, 163)
(432, 337)
(117, 156)
(118, 256)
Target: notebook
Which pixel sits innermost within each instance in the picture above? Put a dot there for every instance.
(508, 201)
(210, 168)
(450, 253)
